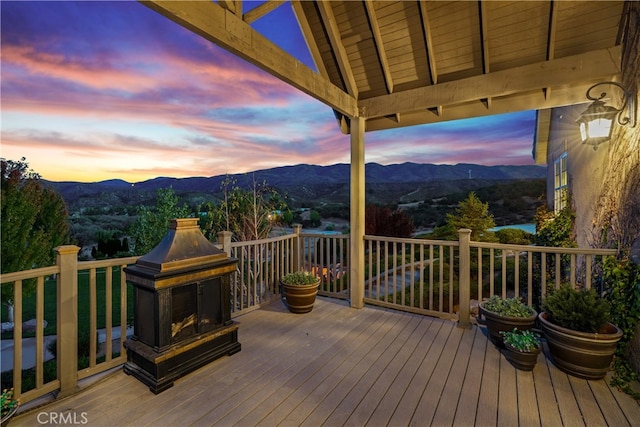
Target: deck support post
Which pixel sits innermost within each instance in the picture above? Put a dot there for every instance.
(67, 324)
(297, 249)
(357, 217)
(464, 288)
(224, 240)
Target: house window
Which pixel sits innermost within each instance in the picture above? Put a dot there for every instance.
(560, 187)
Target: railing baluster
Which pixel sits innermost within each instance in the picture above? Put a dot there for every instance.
(480, 275)
(123, 310)
(516, 268)
(543, 273)
(588, 283)
(422, 264)
(17, 338)
(93, 318)
(558, 270)
(530, 277)
(504, 272)
(441, 282)
(39, 332)
(108, 323)
(491, 272)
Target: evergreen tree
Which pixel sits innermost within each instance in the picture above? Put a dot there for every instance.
(471, 213)
(34, 221)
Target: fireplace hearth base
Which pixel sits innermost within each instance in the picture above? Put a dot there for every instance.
(160, 370)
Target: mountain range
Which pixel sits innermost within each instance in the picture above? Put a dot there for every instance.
(304, 183)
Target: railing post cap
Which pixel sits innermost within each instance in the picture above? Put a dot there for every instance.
(464, 231)
(67, 249)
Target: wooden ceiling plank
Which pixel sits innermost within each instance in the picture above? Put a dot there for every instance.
(557, 72)
(260, 11)
(428, 39)
(223, 28)
(377, 37)
(307, 34)
(338, 47)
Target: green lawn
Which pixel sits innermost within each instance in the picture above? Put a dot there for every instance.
(50, 311)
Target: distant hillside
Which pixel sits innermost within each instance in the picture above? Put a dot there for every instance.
(308, 182)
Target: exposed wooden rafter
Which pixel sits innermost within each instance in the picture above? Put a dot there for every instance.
(229, 31)
(551, 39)
(428, 39)
(377, 37)
(484, 40)
(233, 6)
(303, 23)
(262, 10)
(340, 53)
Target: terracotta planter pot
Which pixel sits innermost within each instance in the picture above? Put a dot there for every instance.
(497, 323)
(582, 354)
(300, 299)
(525, 361)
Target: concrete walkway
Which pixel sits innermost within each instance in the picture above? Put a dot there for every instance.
(29, 349)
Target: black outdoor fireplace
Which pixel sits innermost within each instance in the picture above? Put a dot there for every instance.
(182, 312)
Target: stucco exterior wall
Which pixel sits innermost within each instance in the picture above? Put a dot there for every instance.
(605, 183)
(586, 168)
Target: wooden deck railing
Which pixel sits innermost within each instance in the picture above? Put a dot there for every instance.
(62, 280)
(440, 278)
(436, 278)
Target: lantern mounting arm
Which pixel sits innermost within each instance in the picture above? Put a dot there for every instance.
(628, 103)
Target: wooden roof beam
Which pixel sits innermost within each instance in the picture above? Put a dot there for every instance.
(534, 100)
(551, 39)
(258, 12)
(589, 66)
(338, 47)
(229, 31)
(428, 39)
(484, 42)
(377, 37)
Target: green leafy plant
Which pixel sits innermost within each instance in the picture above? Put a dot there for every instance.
(8, 401)
(577, 309)
(622, 281)
(510, 307)
(299, 278)
(526, 341)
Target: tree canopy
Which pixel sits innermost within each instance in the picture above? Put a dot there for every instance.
(34, 218)
(471, 213)
(246, 212)
(382, 221)
(152, 223)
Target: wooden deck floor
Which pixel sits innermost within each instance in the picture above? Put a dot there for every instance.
(340, 366)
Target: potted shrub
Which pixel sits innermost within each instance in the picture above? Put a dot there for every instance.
(299, 290)
(9, 405)
(581, 338)
(521, 348)
(505, 314)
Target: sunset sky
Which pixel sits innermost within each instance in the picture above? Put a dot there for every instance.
(101, 90)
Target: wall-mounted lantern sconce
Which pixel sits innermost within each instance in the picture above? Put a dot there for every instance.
(596, 122)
